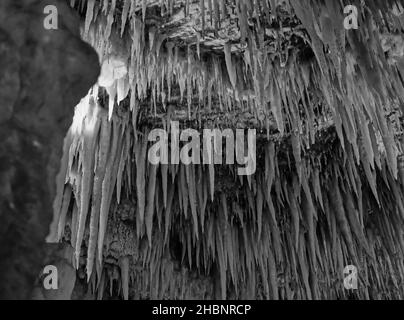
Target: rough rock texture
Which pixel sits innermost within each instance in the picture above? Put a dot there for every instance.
(43, 75)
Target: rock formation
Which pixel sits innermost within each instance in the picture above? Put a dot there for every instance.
(43, 75)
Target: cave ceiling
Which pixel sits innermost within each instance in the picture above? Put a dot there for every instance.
(232, 61)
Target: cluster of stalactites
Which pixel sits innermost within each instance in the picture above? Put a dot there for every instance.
(273, 229)
(355, 83)
(306, 227)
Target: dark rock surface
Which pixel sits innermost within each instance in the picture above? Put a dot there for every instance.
(43, 75)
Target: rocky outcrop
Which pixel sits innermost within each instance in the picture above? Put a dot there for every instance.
(43, 74)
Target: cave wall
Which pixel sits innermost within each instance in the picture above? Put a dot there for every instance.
(43, 75)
